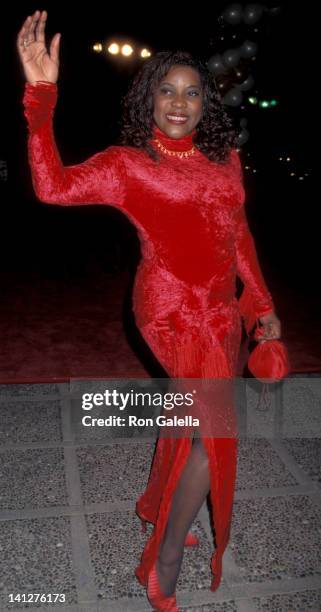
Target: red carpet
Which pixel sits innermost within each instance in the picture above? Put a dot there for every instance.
(53, 330)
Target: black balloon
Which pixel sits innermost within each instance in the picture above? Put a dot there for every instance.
(233, 97)
(241, 72)
(276, 10)
(216, 65)
(243, 137)
(248, 49)
(239, 75)
(233, 14)
(225, 82)
(252, 13)
(247, 84)
(231, 57)
(223, 87)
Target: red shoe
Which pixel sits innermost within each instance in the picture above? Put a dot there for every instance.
(190, 540)
(160, 602)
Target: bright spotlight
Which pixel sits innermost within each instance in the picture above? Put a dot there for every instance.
(145, 53)
(127, 50)
(113, 48)
(97, 47)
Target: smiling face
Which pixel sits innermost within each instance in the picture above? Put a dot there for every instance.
(178, 101)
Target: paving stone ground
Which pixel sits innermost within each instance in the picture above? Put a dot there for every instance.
(67, 499)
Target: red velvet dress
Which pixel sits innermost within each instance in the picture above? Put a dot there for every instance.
(191, 221)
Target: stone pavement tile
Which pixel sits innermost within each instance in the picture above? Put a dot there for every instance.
(301, 409)
(259, 424)
(224, 606)
(307, 453)
(116, 544)
(36, 557)
(31, 390)
(289, 602)
(196, 573)
(24, 422)
(298, 415)
(33, 478)
(259, 466)
(273, 538)
(112, 473)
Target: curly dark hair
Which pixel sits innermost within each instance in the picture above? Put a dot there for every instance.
(215, 135)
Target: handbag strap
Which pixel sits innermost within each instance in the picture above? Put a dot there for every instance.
(264, 402)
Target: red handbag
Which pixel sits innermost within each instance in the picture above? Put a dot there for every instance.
(269, 363)
(269, 360)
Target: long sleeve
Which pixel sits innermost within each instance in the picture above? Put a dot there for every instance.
(256, 300)
(101, 179)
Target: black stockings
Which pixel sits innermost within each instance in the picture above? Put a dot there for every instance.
(190, 493)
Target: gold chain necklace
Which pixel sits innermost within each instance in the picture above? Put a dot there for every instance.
(179, 154)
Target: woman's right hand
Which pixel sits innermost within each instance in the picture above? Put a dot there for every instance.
(37, 63)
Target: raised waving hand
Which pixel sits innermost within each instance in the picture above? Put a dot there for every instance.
(38, 64)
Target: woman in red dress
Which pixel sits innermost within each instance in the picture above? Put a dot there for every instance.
(176, 174)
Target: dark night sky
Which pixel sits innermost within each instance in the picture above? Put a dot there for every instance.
(90, 88)
(91, 85)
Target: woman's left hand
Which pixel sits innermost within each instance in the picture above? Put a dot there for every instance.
(271, 327)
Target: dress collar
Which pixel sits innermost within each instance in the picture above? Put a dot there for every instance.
(172, 144)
